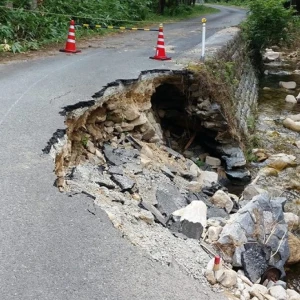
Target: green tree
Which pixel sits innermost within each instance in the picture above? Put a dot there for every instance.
(268, 23)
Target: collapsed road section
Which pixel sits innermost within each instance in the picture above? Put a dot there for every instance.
(152, 152)
(161, 155)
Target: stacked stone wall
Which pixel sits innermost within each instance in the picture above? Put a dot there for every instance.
(246, 92)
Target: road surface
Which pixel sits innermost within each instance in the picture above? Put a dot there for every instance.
(51, 246)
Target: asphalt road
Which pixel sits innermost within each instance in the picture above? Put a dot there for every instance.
(51, 246)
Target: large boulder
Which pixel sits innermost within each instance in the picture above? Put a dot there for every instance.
(233, 156)
(260, 222)
(254, 261)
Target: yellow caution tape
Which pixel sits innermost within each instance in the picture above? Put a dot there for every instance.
(116, 27)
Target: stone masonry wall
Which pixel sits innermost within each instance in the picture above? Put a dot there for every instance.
(246, 92)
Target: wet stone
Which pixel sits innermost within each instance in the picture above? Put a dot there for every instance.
(233, 156)
(124, 182)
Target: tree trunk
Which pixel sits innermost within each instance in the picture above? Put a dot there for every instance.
(161, 6)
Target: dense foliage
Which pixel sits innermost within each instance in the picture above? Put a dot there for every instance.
(269, 23)
(26, 24)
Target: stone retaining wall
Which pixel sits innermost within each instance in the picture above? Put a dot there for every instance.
(246, 92)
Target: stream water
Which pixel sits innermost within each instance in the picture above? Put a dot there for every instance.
(272, 110)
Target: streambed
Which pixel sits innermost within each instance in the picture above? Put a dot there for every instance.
(275, 138)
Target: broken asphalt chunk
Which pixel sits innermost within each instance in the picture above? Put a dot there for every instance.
(124, 182)
(158, 216)
(120, 156)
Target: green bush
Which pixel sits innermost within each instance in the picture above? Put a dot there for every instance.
(268, 23)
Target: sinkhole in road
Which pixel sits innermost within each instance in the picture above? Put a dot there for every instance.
(162, 107)
(139, 148)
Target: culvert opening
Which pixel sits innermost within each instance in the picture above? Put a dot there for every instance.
(183, 130)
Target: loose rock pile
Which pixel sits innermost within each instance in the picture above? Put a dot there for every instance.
(142, 186)
(178, 211)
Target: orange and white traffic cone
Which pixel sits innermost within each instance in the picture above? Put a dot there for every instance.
(160, 48)
(70, 44)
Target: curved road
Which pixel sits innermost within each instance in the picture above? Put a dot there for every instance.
(51, 246)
